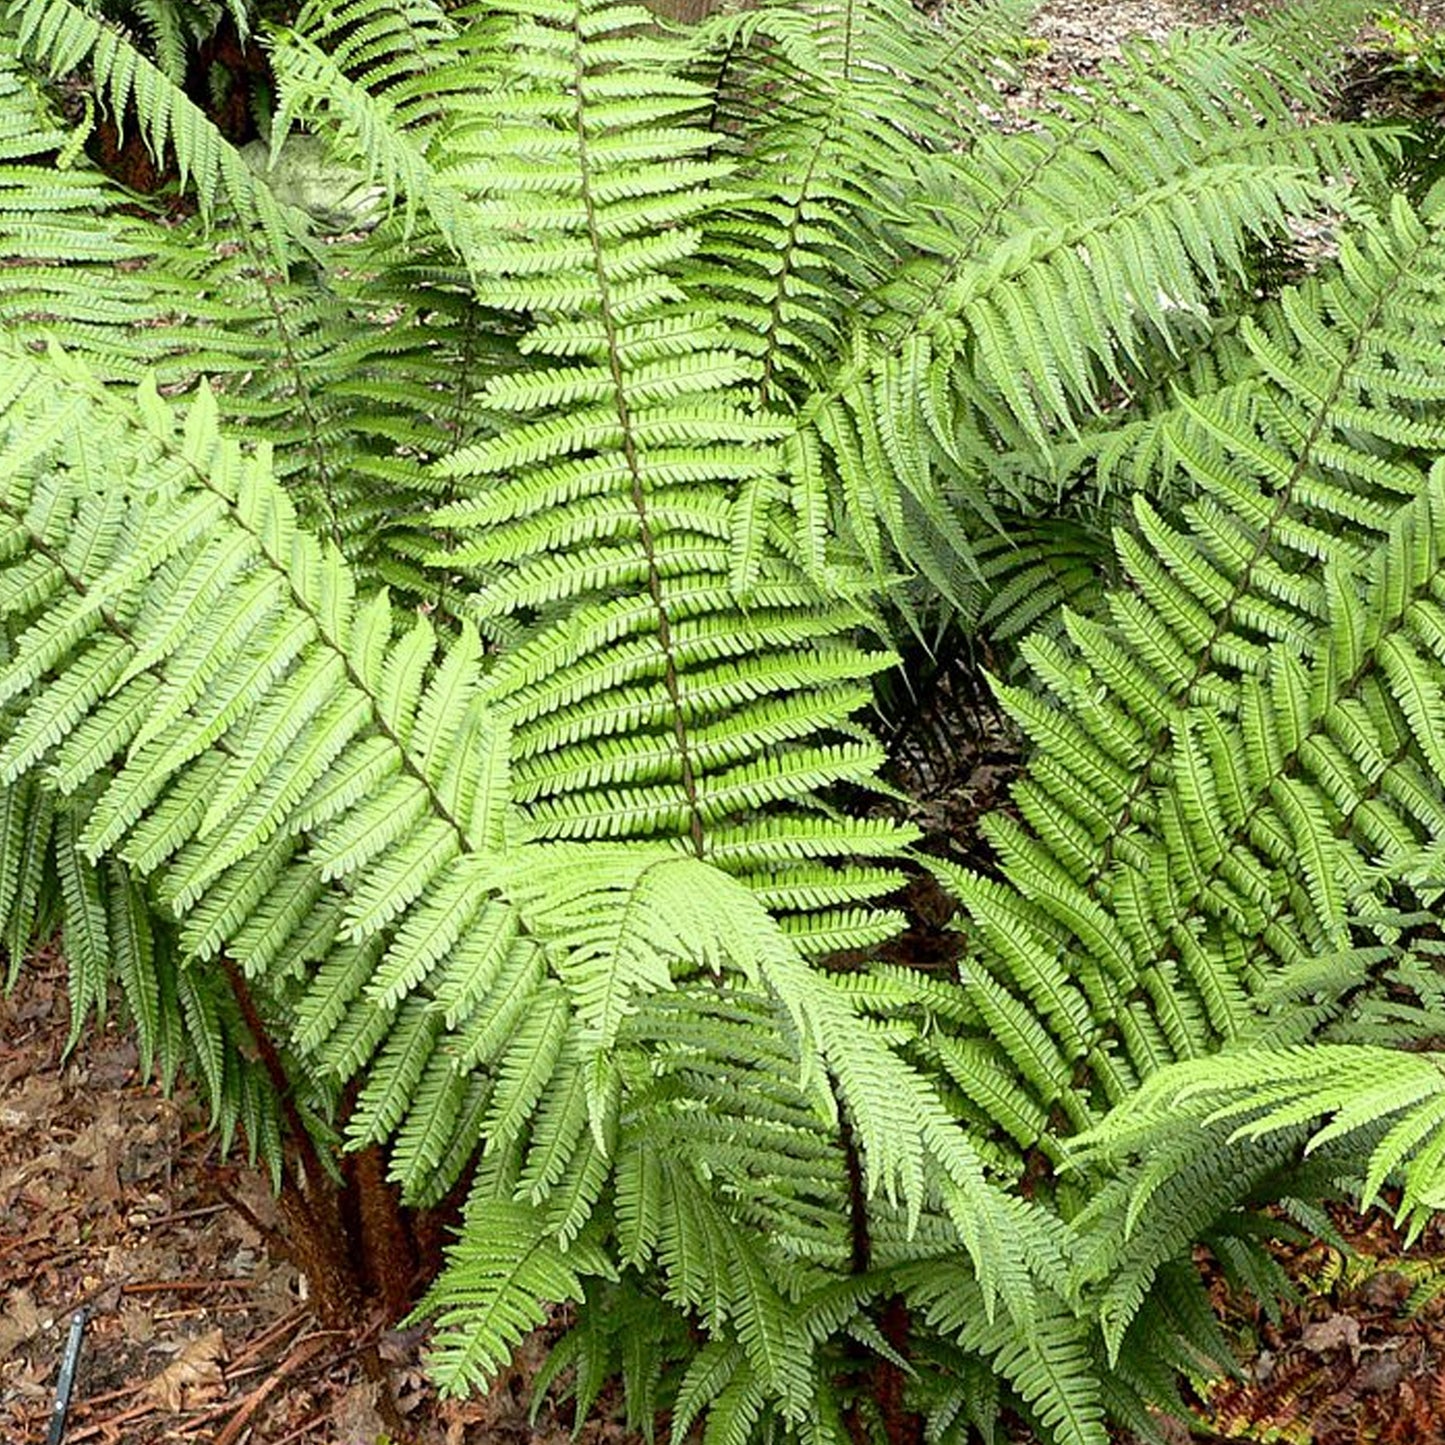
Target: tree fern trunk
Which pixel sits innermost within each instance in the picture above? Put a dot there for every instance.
(379, 1232)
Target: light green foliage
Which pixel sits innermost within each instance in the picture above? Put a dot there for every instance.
(1353, 1092)
(319, 789)
(461, 627)
(1413, 51)
(1230, 829)
(1243, 739)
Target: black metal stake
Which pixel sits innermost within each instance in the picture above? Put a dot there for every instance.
(66, 1383)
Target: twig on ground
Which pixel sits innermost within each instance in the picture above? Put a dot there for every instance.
(185, 1286)
(298, 1357)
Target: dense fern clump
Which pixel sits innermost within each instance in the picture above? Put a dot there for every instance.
(446, 546)
(1229, 826)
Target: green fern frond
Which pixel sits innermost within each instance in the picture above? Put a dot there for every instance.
(827, 142)
(646, 696)
(1317, 1098)
(354, 408)
(490, 1294)
(62, 37)
(1047, 1368)
(1235, 777)
(1052, 267)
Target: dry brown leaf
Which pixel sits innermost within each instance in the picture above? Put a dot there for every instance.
(19, 1322)
(355, 1420)
(34, 1103)
(193, 1378)
(112, 1064)
(1337, 1332)
(99, 1146)
(137, 1323)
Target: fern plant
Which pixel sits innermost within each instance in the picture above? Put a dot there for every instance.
(1228, 832)
(327, 804)
(437, 653)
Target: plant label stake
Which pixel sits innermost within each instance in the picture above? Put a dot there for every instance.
(66, 1382)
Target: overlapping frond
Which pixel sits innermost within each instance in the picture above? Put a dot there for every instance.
(830, 115)
(1203, 1141)
(1044, 272)
(356, 364)
(498, 1277)
(1236, 795)
(376, 80)
(316, 787)
(676, 674)
(175, 28)
(59, 37)
(1230, 752)
(1375, 1113)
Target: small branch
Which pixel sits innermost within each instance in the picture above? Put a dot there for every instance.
(299, 1356)
(268, 1232)
(184, 1214)
(184, 1286)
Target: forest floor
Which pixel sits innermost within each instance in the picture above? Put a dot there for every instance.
(114, 1198)
(198, 1329)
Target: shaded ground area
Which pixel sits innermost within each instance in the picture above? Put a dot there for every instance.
(115, 1198)
(1358, 1360)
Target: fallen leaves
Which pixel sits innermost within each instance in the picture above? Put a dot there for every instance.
(193, 1379)
(19, 1322)
(1338, 1331)
(1358, 1358)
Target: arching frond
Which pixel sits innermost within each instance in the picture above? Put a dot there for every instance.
(441, 582)
(61, 36)
(1339, 1091)
(316, 787)
(1050, 269)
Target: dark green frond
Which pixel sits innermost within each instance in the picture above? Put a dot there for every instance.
(62, 37)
